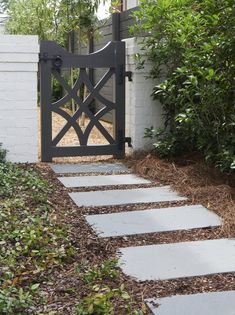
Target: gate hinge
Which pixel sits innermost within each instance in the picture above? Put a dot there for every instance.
(128, 141)
(128, 74)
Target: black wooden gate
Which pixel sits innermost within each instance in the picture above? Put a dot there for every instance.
(53, 59)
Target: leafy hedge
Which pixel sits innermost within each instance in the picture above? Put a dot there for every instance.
(192, 43)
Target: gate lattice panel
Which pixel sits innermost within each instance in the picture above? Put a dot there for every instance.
(53, 59)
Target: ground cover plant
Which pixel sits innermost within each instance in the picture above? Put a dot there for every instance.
(191, 44)
(32, 243)
(39, 253)
(102, 299)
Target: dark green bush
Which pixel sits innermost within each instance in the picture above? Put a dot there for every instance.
(193, 42)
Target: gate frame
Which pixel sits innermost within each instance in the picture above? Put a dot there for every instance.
(53, 58)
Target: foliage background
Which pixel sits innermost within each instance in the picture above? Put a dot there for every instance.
(51, 19)
(193, 44)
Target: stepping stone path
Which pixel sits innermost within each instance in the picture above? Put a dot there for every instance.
(155, 262)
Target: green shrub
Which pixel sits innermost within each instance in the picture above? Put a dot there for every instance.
(192, 42)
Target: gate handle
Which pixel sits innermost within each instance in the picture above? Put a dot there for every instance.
(128, 74)
(128, 141)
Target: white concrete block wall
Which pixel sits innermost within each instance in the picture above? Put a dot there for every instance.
(141, 110)
(18, 97)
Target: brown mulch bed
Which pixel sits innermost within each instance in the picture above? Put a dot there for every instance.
(189, 177)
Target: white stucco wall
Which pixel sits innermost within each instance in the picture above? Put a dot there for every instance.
(141, 110)
(18, 97)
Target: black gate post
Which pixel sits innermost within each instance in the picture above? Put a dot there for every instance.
(116, 27)
(45, 112)
(120, 99)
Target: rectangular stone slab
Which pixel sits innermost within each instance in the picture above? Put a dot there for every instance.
(178, 260)
(102, 180)
(213, 303)
(153, 220)
(127, 196)
(89, 168)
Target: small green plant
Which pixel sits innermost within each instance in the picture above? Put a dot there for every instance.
(102, 298)
(101, 301)
(108, 270)
(16, 300)
(3, 153)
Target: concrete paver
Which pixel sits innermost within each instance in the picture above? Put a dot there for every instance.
(89, 168)
(178, 260)
(127, 196)
(214, 303)
(102, 180)
(153, 220)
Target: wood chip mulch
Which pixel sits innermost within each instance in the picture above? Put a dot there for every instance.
(192, 179)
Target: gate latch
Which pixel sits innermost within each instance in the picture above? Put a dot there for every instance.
(128, 74)
(56, 60)
(128, 141)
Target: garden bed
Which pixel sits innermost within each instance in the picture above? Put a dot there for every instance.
(91, 262)
(194, 180)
